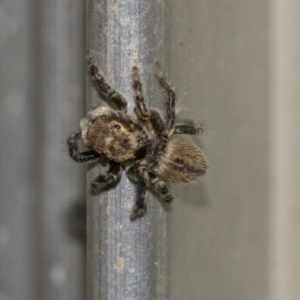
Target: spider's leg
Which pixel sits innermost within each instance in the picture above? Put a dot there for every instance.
(170, 104)
(140, 180)
(80, 156)
(141, 108)
(133, 173)
(102, 86)
(188, 129)
(140, 206)
(156, 122)
(161, 187)
(110, 177)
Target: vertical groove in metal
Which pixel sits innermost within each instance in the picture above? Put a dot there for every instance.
(126, 260)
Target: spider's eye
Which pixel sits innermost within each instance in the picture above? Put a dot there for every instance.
(103, 117)
(117, 126)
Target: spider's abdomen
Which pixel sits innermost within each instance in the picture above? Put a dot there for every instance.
(180, 162)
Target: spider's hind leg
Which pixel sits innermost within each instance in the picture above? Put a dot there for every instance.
(161, 187)
(102, 86)
(188, 128)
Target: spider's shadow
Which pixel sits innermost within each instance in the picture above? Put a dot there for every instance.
(76, 220)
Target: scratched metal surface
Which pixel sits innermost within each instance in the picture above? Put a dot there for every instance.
(42, 98)
(126, 260)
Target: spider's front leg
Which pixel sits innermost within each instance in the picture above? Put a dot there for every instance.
(170, 104)
(141, 108)
(80, 156)
(102, 86)
(139, 178)
(102, 181)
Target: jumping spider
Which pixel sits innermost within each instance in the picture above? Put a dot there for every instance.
(139, 143)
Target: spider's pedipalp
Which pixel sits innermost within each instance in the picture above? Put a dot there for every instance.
(73, 150)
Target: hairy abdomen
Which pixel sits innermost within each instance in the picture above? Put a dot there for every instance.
(181, 161)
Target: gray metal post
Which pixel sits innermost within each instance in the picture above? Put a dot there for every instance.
(126, 260)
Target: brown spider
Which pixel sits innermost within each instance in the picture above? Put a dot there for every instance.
(139, 143)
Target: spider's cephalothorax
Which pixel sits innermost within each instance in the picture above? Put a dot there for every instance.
(139, 143)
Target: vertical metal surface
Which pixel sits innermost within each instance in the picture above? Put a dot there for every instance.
(126, 260)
